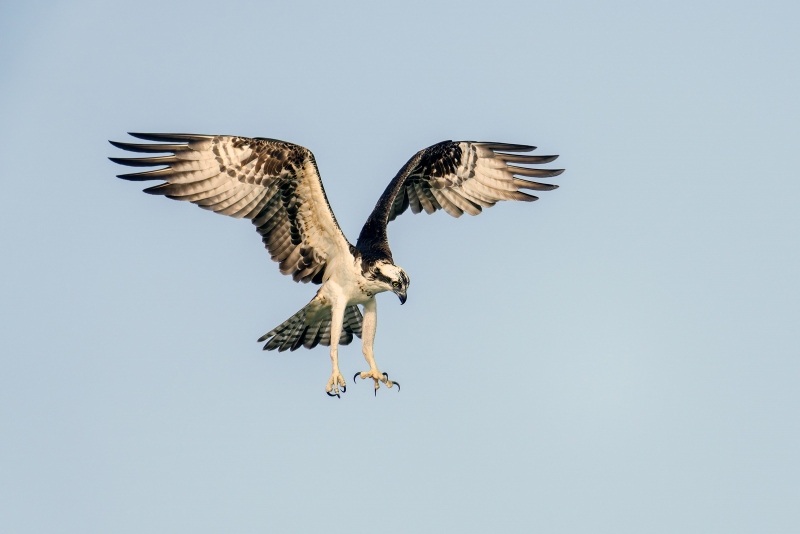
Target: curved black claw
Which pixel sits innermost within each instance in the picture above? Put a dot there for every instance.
(356, 376)
(386, 376)
(332, 395)
(344, 389)
(376, 392)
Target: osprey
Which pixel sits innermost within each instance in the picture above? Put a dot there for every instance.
(277, 186)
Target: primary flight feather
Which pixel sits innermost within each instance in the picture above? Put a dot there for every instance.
(277, 186)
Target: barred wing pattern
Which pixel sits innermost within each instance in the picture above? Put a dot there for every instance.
(273, 183)
(457, 177)
(308, 329)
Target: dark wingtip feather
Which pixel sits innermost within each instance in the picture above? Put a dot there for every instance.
(169, 137)
(137, 177)
(508, 147)
(156, 189)
(143, 162)
(147, 175)
(149, 148)
(530, 160)
(539, 173)
(525, 184)
(525, 197)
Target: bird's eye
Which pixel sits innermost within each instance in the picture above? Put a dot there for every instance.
(396, 284)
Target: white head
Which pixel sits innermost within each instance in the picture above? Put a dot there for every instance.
(389, 277)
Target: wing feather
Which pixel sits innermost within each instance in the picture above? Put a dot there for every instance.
(447, 204)
(423, 198)
(471, 192)
(466, 205)
(273, 183)
(457, 177)
(413, 199)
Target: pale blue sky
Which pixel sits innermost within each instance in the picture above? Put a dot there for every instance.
(619, 357)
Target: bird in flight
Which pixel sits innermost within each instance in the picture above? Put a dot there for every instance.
(277, 186)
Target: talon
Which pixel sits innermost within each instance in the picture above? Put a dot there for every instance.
(354, 377)
(398, 386)
(386, 376)
(376, 392)
(344, 388)
(332, 395)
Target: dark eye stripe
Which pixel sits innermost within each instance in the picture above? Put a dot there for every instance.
(380, 276)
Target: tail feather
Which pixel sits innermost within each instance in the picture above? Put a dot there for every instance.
(312, 336)
(297, 331)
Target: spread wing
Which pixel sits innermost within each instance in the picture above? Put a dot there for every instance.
(457, 177)
(273, 183)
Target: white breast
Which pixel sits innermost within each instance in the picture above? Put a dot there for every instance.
(346, 282)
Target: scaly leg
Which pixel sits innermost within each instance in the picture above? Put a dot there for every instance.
(368, 327)
(336, 379)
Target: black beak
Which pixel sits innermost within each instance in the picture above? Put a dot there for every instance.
(402, 297)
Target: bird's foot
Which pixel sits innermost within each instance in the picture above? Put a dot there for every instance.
(377, 377)
(336, 380)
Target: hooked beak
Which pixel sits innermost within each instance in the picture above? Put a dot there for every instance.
(402, 296)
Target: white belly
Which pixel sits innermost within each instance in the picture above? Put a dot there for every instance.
(347, 285)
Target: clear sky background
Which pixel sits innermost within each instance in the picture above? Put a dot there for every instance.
(619, 357)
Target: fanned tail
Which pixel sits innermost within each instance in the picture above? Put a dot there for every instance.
(300, 330)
